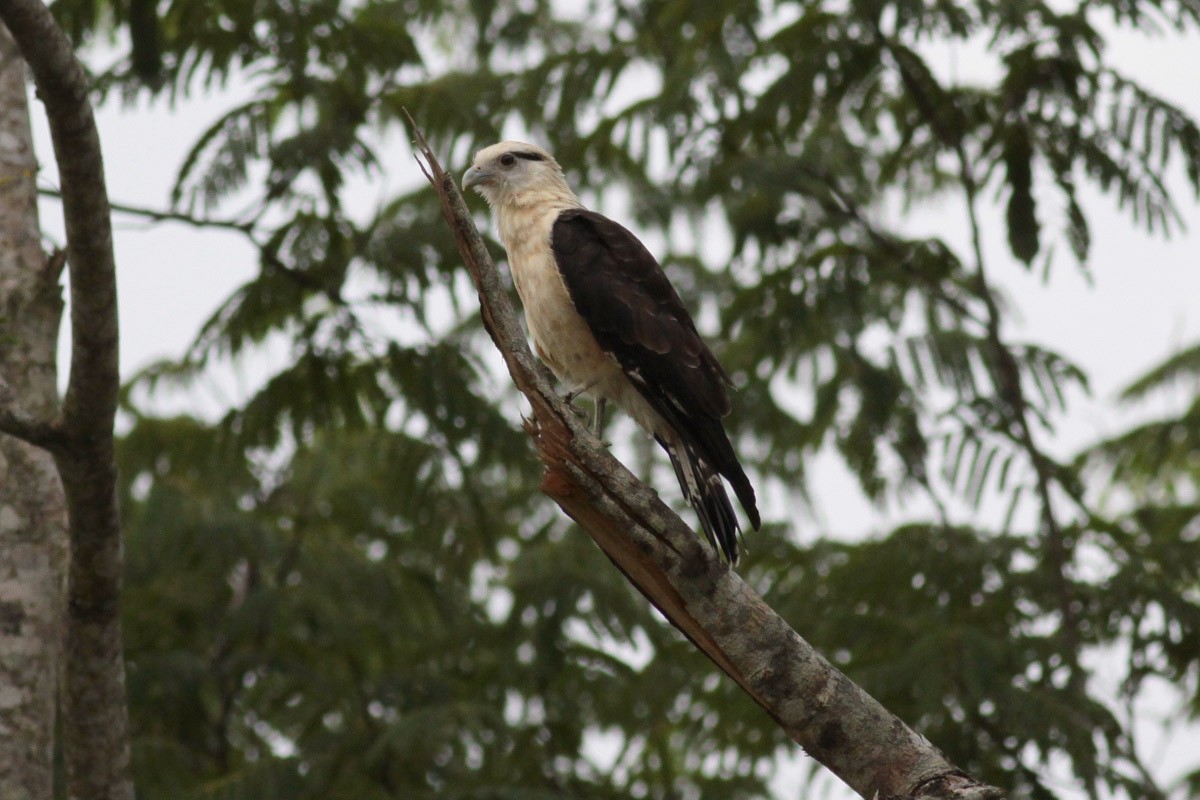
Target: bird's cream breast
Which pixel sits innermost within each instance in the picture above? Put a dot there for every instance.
(561, 337)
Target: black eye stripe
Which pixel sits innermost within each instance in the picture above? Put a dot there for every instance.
(528, 155)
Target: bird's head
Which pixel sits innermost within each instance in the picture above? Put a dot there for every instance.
(516, 172)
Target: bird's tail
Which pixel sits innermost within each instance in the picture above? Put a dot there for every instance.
(703, 489)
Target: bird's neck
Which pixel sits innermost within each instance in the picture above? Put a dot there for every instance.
(558, 195)
(522, 216)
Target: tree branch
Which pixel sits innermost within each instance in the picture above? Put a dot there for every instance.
(95, 716)
(820, 708)
(159, 215)
(249, 229)
(62, 84)
(16, 422)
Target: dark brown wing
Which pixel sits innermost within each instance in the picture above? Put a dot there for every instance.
(636, 315)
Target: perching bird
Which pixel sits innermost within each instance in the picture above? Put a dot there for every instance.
(607, 321)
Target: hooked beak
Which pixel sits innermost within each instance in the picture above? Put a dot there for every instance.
(475, 177)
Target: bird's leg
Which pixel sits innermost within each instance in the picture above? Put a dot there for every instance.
(598, 422)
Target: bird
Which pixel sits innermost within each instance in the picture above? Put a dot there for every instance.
(605, 318)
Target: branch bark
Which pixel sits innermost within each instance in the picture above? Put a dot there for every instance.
(95, 716)
(832, 718)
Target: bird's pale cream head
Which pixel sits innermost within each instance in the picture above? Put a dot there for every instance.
(516, 173)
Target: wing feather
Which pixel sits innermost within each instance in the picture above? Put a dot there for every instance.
(635, 313)
(637, 316)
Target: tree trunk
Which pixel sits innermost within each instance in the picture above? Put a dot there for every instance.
(95, 719)
(33, 520)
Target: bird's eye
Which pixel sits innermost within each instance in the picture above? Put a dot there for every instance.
(508, 159)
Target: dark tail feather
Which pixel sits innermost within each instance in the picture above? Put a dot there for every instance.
(703, 489)
(745, 494)
(716, 443)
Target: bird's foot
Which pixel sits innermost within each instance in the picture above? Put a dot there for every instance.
(595, 420)
(570, 396)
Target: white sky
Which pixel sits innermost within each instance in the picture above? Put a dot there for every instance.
(1143, 304)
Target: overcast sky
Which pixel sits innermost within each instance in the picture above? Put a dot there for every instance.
(1142, 306)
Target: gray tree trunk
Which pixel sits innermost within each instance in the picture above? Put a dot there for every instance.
(95, 720)
(33, 517)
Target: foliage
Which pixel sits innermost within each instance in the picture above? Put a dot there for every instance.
(343, 625)
(1159, 459)
(349, 587)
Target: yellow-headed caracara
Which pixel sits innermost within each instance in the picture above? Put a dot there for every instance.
(605, 318)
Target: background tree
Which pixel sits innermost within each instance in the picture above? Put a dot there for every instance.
(376, 483)
(77, 433)
(1149, 478)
